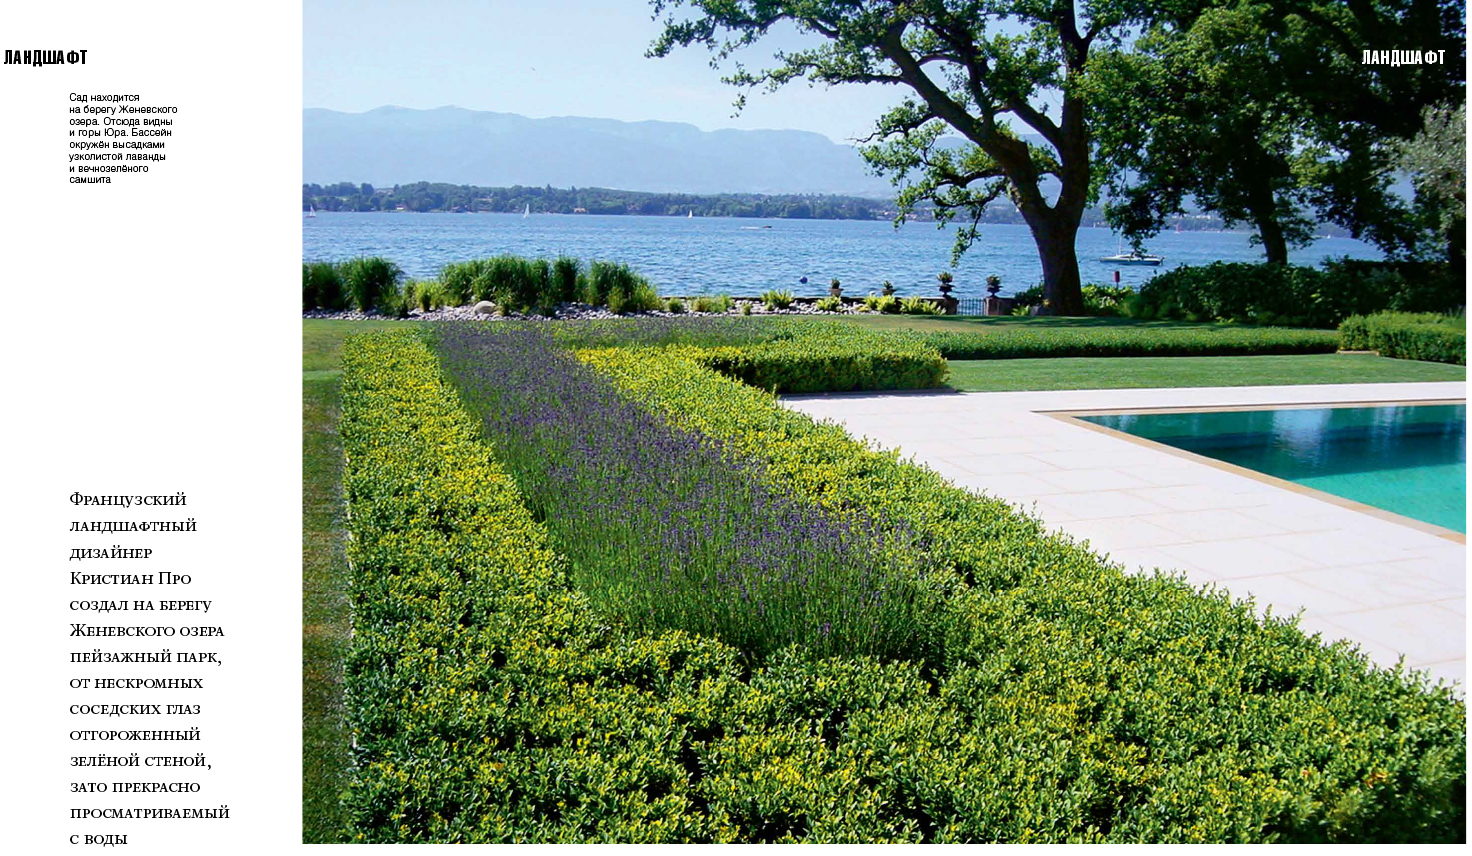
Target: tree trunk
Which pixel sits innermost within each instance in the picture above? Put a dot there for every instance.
(1271, 233)
(1062, 289)
(1264, 211)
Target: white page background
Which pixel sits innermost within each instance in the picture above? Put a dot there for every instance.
(153, 346)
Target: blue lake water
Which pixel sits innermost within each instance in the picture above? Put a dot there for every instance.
(741, 256)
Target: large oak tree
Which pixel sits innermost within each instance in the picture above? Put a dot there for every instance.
(971, 68)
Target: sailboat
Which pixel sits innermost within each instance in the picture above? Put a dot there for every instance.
(691, 214)
(528, 212)
(311, 212)
(1132, 257)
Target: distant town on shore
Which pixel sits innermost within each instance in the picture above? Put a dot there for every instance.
(423, 197)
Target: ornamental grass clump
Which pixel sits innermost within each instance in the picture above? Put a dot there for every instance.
(720, 303)
(458, 281)
(371, 283)
(776, 300)
(665, 530)
(322, 287)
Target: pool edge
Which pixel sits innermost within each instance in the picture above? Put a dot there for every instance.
(1071, 416)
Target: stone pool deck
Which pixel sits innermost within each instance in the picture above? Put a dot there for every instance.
(1391, 587)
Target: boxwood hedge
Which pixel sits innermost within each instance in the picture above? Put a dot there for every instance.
(1298, 296)
(1198, 721)
(1026, 341)
(1408, 336)
(831, 358)
(490, 702)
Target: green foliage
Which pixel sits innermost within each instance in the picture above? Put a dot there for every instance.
(720, 303)
(1130, 708)
(746, 308)
(517, 284)
(641, 297)
(426, 294)
(1294, 295)
(674, 306)
(774, 299)
(1408, 336)
(371, 283)
(322, 287)
(1434, 158)
(1106, 301)
(919, 306)
(830, 357)
(490, 703)
(618, 282)
(829, 304)
(1252, 111)
(1027, 341)
(565, 273)
(458, 281)
(885, 303)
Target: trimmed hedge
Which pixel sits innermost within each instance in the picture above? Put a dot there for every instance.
(1295, 295)
(489, 702)
(1408, 336)
(830, 358)
(1133, 708)
(1026, 341)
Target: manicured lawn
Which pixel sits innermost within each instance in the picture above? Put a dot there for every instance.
(325, 618)
(322, 341)
(1123, 373)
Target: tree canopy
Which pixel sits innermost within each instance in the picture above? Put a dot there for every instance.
(972, 68)
(1265, 112)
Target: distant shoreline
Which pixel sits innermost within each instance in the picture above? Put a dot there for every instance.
(438, 197)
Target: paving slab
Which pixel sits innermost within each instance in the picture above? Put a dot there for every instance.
(1394, 589)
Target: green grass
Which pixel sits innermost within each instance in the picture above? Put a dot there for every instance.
(1133, 372)
(325, 618)
(982, 324)
(322, 341)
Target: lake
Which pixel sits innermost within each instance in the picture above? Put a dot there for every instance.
(744, 257)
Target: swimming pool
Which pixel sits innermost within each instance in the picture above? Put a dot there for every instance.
(1406, 459)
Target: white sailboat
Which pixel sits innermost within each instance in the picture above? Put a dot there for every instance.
(1121, 257)
(691, 214)
(528, 212)
(311, 212)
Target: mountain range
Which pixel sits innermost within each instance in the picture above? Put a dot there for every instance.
(397, 145)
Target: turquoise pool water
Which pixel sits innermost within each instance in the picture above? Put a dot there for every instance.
(1411, 460)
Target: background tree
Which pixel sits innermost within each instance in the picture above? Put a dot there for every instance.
(1263, 112)
(1436, 161)
(971, 67)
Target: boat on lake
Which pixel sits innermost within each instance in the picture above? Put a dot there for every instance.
(1133, 258)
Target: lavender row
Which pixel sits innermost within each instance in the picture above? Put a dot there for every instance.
(663, 528)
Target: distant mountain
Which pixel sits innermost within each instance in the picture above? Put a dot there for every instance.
(395, 145)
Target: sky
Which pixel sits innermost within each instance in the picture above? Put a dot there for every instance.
(545, 58)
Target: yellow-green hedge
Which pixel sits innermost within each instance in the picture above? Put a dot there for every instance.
(489, 702)
(1171, 714)
(826, 357)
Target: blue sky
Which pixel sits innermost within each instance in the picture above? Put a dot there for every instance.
(549, 58)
